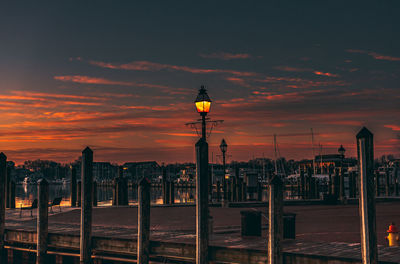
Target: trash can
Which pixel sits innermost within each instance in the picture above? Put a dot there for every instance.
(289, 225)
(251, 223)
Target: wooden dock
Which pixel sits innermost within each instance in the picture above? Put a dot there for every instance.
(173, 235)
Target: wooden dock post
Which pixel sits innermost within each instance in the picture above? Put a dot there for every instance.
(275, 221)
(94, 194)
(8, 187)
(79, 193)
(365, 152)
(341, 185)
(143, 243)
(86, 206)
(377, 184)
(387, 183)
(171, 192)
(73, 187)
(3, 172)
(202, 202)
(12, 195)
(302, 185)
(42, 221)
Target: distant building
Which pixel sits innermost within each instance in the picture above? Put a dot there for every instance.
(326, 163)
(136, 170)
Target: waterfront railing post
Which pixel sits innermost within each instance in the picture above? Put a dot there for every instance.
(341, 187)
(171, 192)
(94, 194)
(202, 202)
(12, 194)
(377, 184)
(73, 187)
(79, 193)
(8, 186)
(387, 183)
(42, 221)
(86, 206)
(275, 221)
(365, 152)
(143, 242)
(3, 172)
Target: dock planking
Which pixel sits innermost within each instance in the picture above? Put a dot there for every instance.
(176, 239)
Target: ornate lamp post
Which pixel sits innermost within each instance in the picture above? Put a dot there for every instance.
(341, 151)
(203, 104)
(223, 146)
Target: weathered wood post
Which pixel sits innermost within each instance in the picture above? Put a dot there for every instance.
(330, 183)
(341, 187)
(79, 193)
(275, 221)
(171, 192)
(202, 201)
(387, 183)
(143, 246)
(3, 172)
(8, 187)
(218, 191)
(396, 181)
(302, 184)
(73, 187)
(86, 206)
(378, 184)
(94, 194)
(365, 152)
(42, 221)
(12, 194)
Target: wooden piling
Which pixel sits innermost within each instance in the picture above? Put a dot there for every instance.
(8, 186)
(275, 221)
(387, 183)
(42, 221)
(94, 194)
(365, 152)
(12, 195)
(218, 191)
(171, 192)
(377, 184)
(202, 202)
(86, 206)
(341, 185)
(79, 193)
(3, 172)
(143, 245)
(302, 184)
(73, 187)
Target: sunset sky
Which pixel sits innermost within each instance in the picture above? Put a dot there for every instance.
(121, 77)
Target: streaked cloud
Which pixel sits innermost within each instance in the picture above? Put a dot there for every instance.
(89, 80)
(375, 55)
(152, 66)
(226, 56)
(393, 127)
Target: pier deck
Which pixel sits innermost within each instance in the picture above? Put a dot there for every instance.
(323, 232)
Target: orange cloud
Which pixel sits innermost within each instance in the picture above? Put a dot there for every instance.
(393, 127)
(89, 80)
(151, 66)
(226, 56)
(326, 74)
(375, 55)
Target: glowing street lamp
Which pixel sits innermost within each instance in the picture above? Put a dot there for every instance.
(203, 105)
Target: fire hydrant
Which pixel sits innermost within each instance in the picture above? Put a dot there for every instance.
(393, 236)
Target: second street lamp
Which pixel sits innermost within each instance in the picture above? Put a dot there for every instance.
(203, 104)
